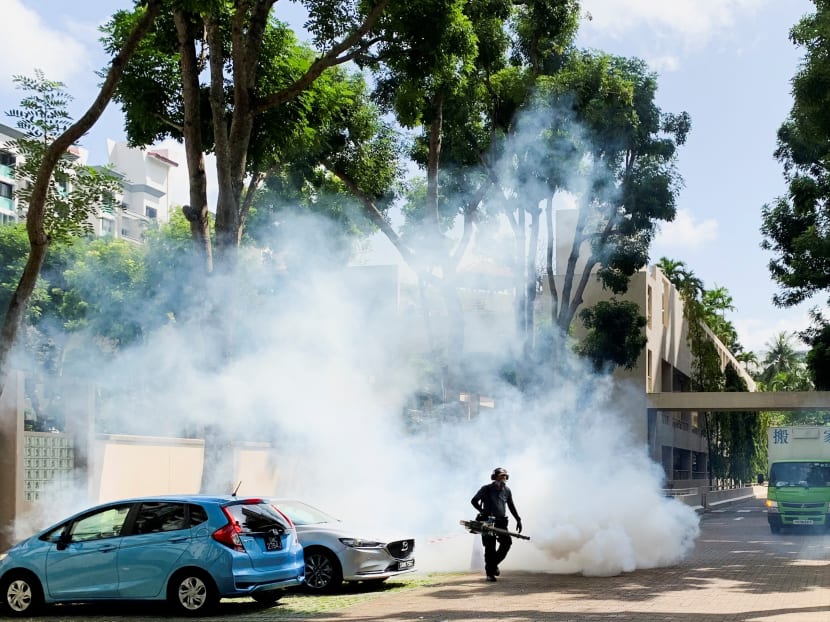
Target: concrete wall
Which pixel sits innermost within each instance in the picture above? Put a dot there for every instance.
(11, 439)
(106, 467)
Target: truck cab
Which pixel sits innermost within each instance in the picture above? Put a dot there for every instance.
(798, 493)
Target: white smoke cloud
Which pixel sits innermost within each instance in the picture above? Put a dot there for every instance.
(325, 377)
(317, 360)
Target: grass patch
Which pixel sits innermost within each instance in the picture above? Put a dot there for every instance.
(297, 604)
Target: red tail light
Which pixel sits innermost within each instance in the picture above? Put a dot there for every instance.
(229, 534)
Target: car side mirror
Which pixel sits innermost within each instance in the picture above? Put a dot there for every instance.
(63, 541)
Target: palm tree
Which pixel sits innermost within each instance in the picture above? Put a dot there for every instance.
(781, 357)
(689, 286)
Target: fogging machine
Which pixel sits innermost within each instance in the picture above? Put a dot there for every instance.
(480, 526)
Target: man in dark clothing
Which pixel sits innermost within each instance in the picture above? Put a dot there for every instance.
(494, 499)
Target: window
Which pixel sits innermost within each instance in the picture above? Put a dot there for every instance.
(105, 523)
(151, 212)
(6, 190)
(197, 515)
(107, 227)
(256, 518)
(648, 305)
(154, 517)
(6, 159)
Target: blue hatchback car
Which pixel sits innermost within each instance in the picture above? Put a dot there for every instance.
(190, 550)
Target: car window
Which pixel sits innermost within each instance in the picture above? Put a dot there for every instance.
(256, 518)
(198, 515)
(106, 523)
(159, 516)
(303, 514)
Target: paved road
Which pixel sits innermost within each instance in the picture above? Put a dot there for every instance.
(738, 572)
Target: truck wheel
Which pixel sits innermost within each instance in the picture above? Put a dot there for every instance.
(775, 527)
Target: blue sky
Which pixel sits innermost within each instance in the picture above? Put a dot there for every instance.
(726, 62)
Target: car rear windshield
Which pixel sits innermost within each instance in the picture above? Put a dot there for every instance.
(303, 514)
(256, 517)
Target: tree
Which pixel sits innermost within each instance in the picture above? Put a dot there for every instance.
(252, 68)
(615, 334)
(715, 303)
(688, 285)
(796, 227)
(36, 217)
(628, 180)
(781, 360)
(818, 358)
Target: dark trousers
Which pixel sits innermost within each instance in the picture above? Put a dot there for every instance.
(495, 547)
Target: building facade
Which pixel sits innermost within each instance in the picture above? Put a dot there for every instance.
(145, 199)
(676, 440)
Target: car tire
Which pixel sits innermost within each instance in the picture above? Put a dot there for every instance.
(22, 595)
(267, 598)
(323, 573)
(191, 592)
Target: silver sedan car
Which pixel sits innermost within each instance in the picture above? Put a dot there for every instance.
(335, 552)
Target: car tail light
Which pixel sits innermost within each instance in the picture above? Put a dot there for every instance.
(229, 534)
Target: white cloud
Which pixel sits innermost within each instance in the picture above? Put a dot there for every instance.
(684, 233)
(664, 64)
(691, 21)
(29, 43)
(755, 333)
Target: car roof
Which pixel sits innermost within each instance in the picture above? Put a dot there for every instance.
(193, 498)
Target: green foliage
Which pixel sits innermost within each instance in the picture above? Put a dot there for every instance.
(75, 191)
(421, 62)
(150, 88)
(607, 142)
(615, 334)
(818, 358)
(107, 284)
(796, 227)
(713, 303)
(104, 292)
(783, 367)
(14, 248)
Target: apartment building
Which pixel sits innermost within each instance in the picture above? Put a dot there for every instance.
(8, 203)
(146, 191)
(146, 179)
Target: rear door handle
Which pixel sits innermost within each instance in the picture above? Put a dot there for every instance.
(178, 539)
(107, 548)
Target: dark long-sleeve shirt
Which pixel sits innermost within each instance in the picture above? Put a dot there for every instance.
(490, 500)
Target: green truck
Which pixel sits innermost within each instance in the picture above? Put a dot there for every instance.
(798, 491)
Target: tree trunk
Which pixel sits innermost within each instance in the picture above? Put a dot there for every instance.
(197, 212)
(530, 275)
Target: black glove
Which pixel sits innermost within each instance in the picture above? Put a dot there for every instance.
(518, 525)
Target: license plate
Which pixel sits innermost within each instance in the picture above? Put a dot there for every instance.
(406, 563)
(273, 542)
(802, 521)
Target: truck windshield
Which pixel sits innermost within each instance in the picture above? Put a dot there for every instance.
(800, 474)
